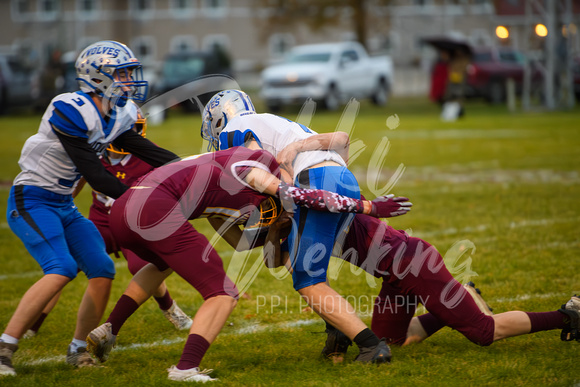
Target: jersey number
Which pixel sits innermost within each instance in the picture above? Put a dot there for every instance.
(79, 101)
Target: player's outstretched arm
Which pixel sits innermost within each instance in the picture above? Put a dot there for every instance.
(321, 200)
(337, 141)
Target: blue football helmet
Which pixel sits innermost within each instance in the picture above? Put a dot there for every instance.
(110, 69)
(220, 109)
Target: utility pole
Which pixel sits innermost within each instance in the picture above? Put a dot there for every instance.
(552, 14)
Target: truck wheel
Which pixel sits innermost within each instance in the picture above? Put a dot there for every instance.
(332, 99)
(381, 94)
(496, 92)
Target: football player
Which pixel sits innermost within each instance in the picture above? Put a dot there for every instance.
(151, 220)
(413, 270)
(75, 129)
(127, 169)
(229, 119)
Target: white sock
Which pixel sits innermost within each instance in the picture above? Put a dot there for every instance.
(8, 339)
(78, 343)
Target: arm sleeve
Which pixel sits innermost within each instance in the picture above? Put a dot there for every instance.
(89, 165)
(318, 199)
(144, 149)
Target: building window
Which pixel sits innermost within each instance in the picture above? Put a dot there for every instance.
(49, 6)
(142, 8)
(215, 8)
(48, 9)
(183, 43)
(87, 6)
(144, 49)
(88, 9)
(21, 10)
(142, 5)
(22, 7)
(182, 8)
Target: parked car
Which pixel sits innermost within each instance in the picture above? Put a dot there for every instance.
(181, 68)
(16, 86)
(330, 73)
(492, 67)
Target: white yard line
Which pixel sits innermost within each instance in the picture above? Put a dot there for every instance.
(163, 343)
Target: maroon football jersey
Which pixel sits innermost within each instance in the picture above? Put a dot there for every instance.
(128, 171)
(372, 244)
(208, 185)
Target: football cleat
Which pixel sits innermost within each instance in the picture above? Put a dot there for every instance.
(572, 311)
(29, 334)
(336, 345)
(380, 353)
(190, 375)
(6, 352)
(79, 357)
(101, 341)
(177, 317)
(479, 301)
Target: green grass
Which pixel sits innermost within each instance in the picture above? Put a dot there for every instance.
(507, 183)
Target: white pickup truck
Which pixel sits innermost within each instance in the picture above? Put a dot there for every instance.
(330, 73)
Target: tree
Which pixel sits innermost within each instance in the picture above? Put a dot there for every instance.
(319, 14)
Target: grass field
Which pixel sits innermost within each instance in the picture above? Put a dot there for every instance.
(503, 185)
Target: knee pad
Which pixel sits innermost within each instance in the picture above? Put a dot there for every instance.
(65, 269)
(103, 268)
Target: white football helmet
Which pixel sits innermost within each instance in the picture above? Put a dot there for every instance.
(220, 109)
(111, 70)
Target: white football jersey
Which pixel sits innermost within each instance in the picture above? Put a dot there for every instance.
(44, 161)
(274, 133)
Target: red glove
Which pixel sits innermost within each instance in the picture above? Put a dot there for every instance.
(390, 206)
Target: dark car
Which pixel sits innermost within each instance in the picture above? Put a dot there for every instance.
(181, 68)
(490, 68)
(16, 83)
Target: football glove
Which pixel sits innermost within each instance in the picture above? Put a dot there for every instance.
(389, 206)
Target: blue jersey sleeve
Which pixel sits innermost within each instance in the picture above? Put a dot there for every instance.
(237, 138)
(68, 120)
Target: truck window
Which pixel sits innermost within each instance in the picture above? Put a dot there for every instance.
(349, 56)
(305, 58)
(482, 57)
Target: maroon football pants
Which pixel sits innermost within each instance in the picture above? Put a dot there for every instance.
(419, 276)
(184, 249)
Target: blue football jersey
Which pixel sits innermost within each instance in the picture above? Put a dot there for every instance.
(44, 161)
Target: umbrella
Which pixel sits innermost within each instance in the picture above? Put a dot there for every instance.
(450, 44)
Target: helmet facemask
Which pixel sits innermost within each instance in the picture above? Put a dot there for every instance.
(126, 83)
(265, 215)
